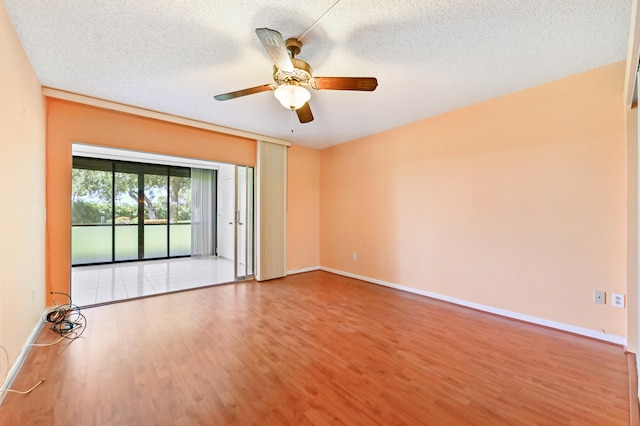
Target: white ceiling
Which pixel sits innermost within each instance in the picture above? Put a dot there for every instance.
(430, 56)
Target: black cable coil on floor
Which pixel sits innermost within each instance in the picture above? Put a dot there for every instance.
(66, 320)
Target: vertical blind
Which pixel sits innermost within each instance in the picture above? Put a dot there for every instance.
(202, 212)
(271, 187)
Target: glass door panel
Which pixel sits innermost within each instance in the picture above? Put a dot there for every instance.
(126, 217)
(91, 240)
(244, 222)
(241, 229)
(156, 232)
(249, 223)
(226, 215)
(179, 216)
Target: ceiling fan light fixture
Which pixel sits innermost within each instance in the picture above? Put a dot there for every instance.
(293, 77)
(292, 95)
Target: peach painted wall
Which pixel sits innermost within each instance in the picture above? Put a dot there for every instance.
(303, 208)
(22, 190)
(69, 122)
(518, 203)
(632, 228)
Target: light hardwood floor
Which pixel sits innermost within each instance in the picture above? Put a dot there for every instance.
(316, 349)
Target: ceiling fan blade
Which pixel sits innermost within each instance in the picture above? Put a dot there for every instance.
(304, 113)
(250, 91)
(276, 48)
(366, 84)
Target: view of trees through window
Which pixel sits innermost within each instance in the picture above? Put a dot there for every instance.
(92, 198)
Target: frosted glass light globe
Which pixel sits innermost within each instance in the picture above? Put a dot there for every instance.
(292, 96)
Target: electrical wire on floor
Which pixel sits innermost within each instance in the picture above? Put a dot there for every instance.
(6, 354)
(48, 344)
(66, 320)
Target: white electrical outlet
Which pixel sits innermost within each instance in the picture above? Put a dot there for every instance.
(34, 294)
(354, 256)
(599, 297)
(617, 300)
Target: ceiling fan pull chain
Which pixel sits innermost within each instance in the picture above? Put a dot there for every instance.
(291, 109)
(317, 20)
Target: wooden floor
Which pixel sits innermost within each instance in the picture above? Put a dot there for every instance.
(316, 349)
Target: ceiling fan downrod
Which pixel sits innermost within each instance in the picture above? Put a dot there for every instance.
(293, 47)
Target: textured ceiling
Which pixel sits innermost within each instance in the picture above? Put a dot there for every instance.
(430, 56)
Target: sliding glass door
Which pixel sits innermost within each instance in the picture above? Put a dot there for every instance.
(127, 211)
(244, 222)
(179, 212)
(123, 211)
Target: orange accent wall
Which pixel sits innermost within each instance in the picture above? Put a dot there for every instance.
(69, 122)
(303, 208)
(517, 203)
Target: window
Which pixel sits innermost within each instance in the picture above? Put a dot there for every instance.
(129, 211)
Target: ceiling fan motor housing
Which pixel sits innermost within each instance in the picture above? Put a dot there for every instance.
(301, 74)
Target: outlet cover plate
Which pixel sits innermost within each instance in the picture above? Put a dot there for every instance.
(617, 300)
(599, 297)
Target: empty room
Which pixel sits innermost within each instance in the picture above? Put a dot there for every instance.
(329, 212)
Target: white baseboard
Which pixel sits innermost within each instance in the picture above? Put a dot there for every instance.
(612, 338)
(12, 374)
(638, 373)
(300, 271)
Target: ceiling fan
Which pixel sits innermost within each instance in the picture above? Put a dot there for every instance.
(292, 77)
